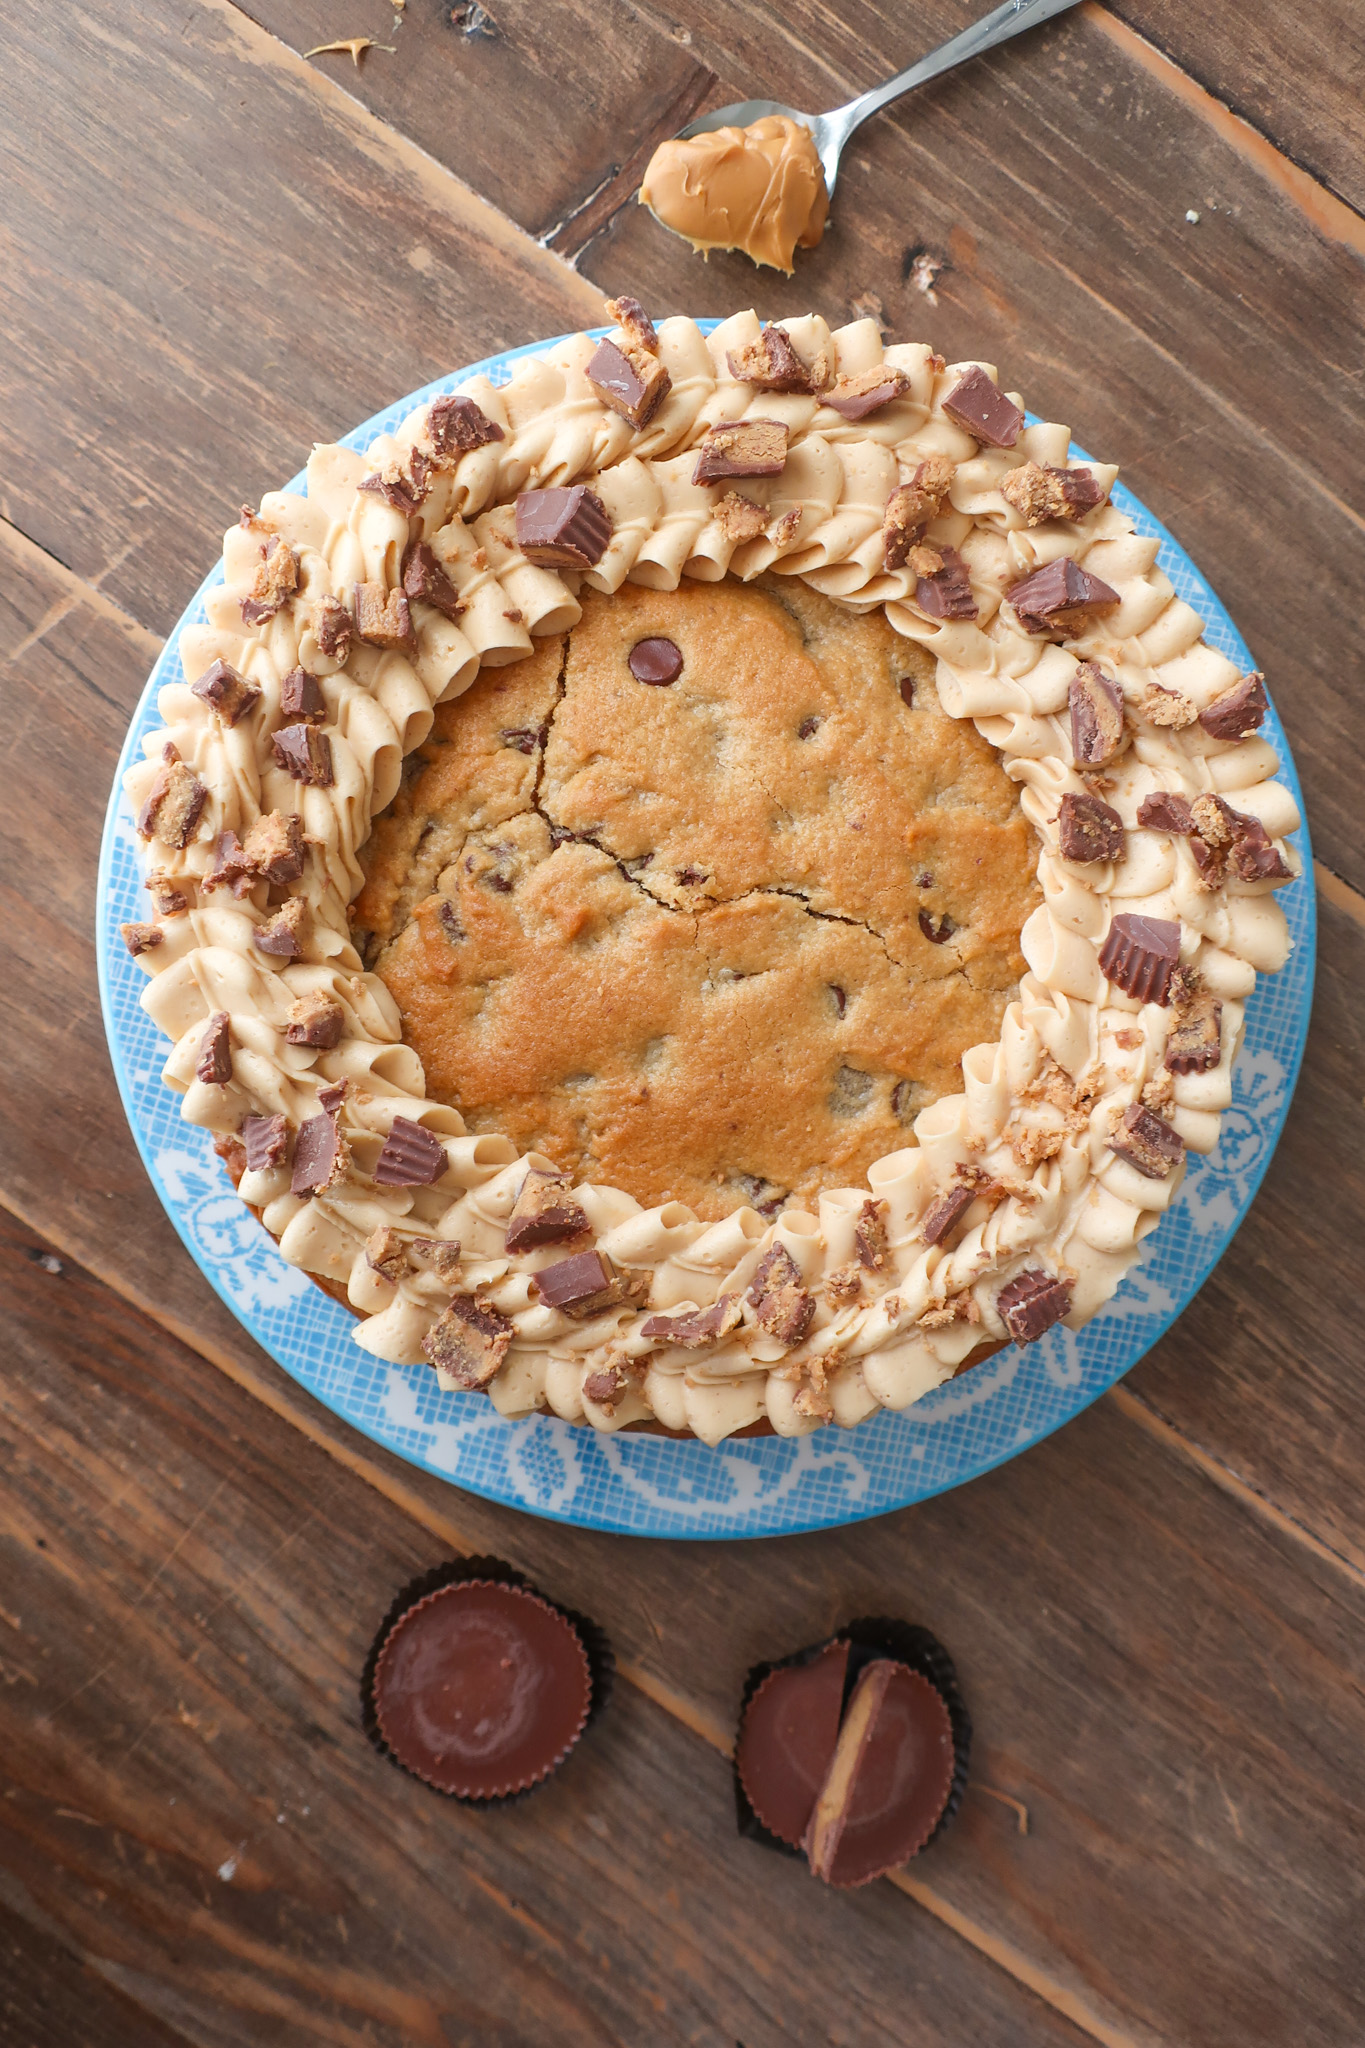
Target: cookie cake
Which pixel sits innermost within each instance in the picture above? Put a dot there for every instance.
(710, 885)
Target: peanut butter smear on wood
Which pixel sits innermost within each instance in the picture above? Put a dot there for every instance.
(760, 189)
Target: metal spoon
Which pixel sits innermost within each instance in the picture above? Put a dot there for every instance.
(831, 131)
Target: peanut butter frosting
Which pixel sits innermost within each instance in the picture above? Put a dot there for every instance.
(883, 481)
(760, 189)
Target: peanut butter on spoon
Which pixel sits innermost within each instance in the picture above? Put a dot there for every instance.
(760, 189)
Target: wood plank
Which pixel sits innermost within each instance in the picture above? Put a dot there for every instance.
(521, 101)
(278, 266)
(696, 1616)
(50, 1998)
(1292, 74)
(189, 1594)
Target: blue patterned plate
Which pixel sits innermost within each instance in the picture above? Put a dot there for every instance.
(652, 1486)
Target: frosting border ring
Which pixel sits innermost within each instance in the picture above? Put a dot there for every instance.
(363, 435)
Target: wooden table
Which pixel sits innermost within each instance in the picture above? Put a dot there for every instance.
(216, 251)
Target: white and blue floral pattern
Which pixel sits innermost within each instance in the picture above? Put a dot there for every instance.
(651, 1486)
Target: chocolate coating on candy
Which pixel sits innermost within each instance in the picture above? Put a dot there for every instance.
(1195, 1044)
(301, 698)
(656, 661)
(779, 1297)
(787, 1737)
(266, 1139)
(888, 1781)
(1140, 954)
(174, 804)
(424, 578)
(630, 381)
(853, 398)
(456, 426)
(468, 1342)
(978, 404)
(413, 1156)
(769, 364)
(946, 593)
(1146, 1142)
(1096, 706)
(563, 529)
(227, 691)
(319, 1156)
(1061, 599)
(481, 1689)
(945, 1212)
(214, 1061)
(545, 1212)
(635, 323)
(305, 753)
(579, 1285)
(140, 938)
(1089, 829)
(1165, 810)
(697, 1326)
(1039, 493)
(744, 448)
(1238, 712)
(1032, 1303)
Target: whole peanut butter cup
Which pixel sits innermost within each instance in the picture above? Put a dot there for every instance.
(480, 1686)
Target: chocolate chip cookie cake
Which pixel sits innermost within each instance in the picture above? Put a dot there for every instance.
(708, 885)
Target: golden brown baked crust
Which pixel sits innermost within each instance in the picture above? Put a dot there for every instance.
(715, 941)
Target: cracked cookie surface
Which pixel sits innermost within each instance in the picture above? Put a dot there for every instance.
(719, 940)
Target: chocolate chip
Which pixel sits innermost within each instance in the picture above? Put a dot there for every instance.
(424, 578)
(692, 878)
(315, 1020)
(907, 1100)
(1037, 493)
(1089, 830)
(1195, 1045)
(413, 1157)
(947, 592)
(468, 1342)
(1096, 706)
(769, 364)
(851, 1093)
(1238, 712)
(333, 629)
(630, 381)
(1165, 810)
(544, 1212)
(779, 1298)
(1146, 1142)
(937, 930)
(763, 1195)
(906, 687)
(655, 661)
(305, 753)
(174, 804)
(840, 999)
(273, 848)
(978, 404)
(580, 1285)
(520, 739)
(449, 919)
(319, 1156)
(742, 448)
(563, 529)
(869, 1236)
(1032, 1303)
(213, 1062)
(1140, 955)
(809, 727)
(301, 698)
(266, 1139)
(697, 1326)
(227, 690)
(867, 391)
(631, 316)
(382, 617)
(457, 426)
(945, 1212)
(1061, 599)
(282, 934)
(140, 938)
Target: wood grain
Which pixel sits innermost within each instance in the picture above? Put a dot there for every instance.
(1291, 72)
(189, 1594)
(284, 266)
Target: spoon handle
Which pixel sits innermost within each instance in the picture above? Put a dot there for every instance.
(996, 27)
